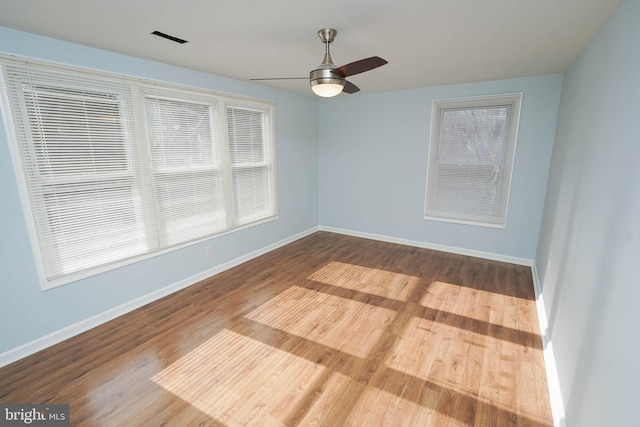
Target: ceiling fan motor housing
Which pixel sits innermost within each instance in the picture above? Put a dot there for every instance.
(325, 76)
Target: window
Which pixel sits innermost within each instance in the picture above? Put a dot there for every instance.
(187, 169)
(115, 168)
(250, 163)
(471, 153)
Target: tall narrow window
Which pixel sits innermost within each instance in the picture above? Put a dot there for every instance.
(471, 154)
(251, 164)
(187, 168)
(114, 168)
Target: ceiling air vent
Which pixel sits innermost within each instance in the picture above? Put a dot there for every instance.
(168, 37)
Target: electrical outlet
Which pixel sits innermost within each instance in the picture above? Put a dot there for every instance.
(208, 250)
(408, 216)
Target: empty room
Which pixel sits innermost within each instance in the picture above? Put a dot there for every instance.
(414, 213)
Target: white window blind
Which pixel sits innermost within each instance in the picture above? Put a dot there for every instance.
(250, 163)
(114, 168)
(75, 142)
(471, 154)
(186, 164)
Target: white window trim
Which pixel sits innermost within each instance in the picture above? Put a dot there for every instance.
(224, 98)
(479, 101)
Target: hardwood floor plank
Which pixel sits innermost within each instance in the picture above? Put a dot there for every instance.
(329, 330)
(490, 378)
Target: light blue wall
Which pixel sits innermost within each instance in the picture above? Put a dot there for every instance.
(373, 163)
(589, 250)
(27, 313)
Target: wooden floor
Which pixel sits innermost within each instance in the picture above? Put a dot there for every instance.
(330, 330)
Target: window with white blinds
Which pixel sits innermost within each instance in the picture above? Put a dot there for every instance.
(471, 152)
(250, 164)
(115, 168)
(186, 165)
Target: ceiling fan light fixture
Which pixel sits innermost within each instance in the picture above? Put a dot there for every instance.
(327, 89)
(325, 83)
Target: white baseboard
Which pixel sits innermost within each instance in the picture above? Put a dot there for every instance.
(433, 246)
(97, 320)
(555, 394)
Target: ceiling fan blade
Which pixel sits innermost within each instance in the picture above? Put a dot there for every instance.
(360, 66)
(284, 78)
(350, 87)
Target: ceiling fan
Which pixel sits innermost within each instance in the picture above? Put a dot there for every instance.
(330, 80)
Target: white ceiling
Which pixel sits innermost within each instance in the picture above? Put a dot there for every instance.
(427, 42)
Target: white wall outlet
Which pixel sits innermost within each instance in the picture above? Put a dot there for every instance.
(208, 250)
(408, 216)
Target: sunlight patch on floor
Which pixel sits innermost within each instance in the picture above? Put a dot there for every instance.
(491, 373)
(381, 408)
(369, 280)
(238, 380)
(343, 324)
(473, 303)
(333, 401)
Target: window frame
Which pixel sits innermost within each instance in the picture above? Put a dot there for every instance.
(17, 125)
(439, 106)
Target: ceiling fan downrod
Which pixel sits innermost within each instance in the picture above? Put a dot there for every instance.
(327, 35)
